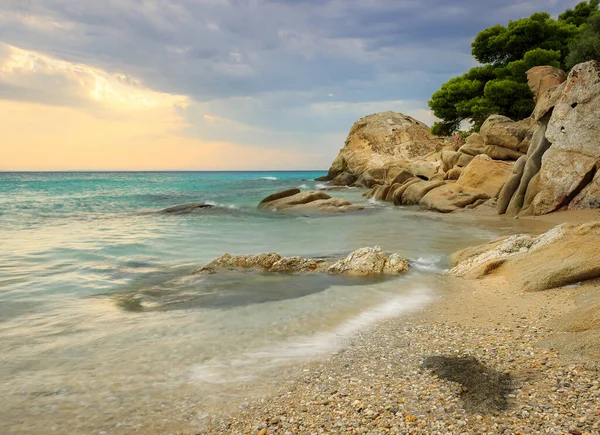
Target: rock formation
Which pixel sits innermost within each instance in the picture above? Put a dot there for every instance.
(379, 143)
(538, 165)
(567, 254)
(362, 262)
(562, 164)
(293, 200)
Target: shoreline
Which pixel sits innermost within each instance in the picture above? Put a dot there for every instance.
(378, 384)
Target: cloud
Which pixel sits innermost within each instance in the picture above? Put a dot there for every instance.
(288, 76)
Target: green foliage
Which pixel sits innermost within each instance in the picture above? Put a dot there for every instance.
(501, 45)
(499, 86)
(580, 14)
(587, 45)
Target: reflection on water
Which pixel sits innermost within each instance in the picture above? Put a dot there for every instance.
(168, 291)
(103, 326)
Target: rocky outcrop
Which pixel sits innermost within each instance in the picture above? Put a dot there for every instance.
(383, 141)
(362, 262)
(574, 131)
(567, 254)
(451, 197)
(293, 200)
(416, 191)
(369, 261)
(186, 208)
(541, 78)
(564, 155)
(485, 174)
(500, 138)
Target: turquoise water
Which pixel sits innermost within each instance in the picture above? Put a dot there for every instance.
(102, 322)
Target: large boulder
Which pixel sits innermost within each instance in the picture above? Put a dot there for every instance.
(451, 197)
(425, 170)
(542, 78)
(485, 174)
(343, 179)
(567, 254)
(295, 201)
(369, 261)
(503, 132)
(570, 163)
(416, 191)
(399, 191)
(382, 141)
(478, 144)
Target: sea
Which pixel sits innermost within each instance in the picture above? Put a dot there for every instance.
(105, 328)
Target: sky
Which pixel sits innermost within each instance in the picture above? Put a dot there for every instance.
(221, 84)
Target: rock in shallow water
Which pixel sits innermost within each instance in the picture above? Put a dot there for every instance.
(293, 200)
(186, 208)
(362, 262)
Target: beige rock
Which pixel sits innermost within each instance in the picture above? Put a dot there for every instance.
(485, 174)
(227, 261)
(449, 160)
(566, 254)
(415, 192)
(305, 201)
(399, 192)
(547, 101)
(562, 173)
(279, 195)
(343, 179)
(425, 170)
(539, 145)
(299, 265)
(402, 176)
(369, 261)
(454, 173)
(503, 132)
(542, 78)
(589, 197)
(464, 160)
(390, 195)
(511, 185)
(383, 140)
(450, 197)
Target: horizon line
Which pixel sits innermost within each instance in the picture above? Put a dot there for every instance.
(161, 170)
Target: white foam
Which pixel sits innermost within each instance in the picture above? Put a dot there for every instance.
(216, 204)
(268, 178)
(303, 186)
(427, 264)
(249, 365)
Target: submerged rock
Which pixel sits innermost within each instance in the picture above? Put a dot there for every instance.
(186, 208)
(362, 262)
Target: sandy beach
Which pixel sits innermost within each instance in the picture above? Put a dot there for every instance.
(483, 358)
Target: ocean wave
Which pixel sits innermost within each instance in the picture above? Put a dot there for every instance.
(268, 178)
(307, 348)
(428, 264)
(303, 186)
